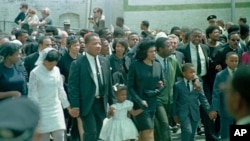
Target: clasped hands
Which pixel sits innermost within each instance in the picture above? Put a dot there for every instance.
(212, 115)
(74, 112)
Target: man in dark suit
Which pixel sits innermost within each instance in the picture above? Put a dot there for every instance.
(89, 87)
(198, 54)
(21, 16)
(30, 60)
(218, 101)
(237, 97)
(232, 45)
(186, 103)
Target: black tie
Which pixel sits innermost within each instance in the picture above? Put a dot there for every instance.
(98, 74)
(165, 65)
(188, 87)
(198, 61)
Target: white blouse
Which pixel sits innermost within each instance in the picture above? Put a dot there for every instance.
(46, 89)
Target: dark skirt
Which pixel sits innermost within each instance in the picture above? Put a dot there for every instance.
(145, 120)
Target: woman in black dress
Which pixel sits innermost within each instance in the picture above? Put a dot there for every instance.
(12, 72)
(119, 73)
(73, 45)
(145, 81)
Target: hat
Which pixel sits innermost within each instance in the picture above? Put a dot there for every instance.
(66, 22)
(19, 118)
(24, 5)
(211, 17)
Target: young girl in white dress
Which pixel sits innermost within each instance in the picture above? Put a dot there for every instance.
(120, 127)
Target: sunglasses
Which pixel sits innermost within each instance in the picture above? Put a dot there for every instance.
(235, 40)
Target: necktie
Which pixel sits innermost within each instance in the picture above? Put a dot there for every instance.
(198, 61)
(188, 87)
(98, 77)
(165, 67)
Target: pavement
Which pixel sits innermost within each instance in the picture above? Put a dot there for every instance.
(177, 136)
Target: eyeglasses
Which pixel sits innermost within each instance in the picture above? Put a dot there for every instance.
(235, 40)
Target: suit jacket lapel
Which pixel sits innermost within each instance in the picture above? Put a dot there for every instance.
(188, 54)
(184, 86)
(86, 61)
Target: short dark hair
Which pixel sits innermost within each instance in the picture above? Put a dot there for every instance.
(98, 10)
(160, 43)
(244, 29)
(82, 32)
(142, 49)
(101, 32)
(240, 82)
(118, 32)
(174, 28)
(53, 55)
(120, 19)
(19, 32)
(145, 23)
(8, 49)
(187, 66)
(24, 5)
(232, 33)
(243, 19)
(89, 36)
(145, 34)
(210, 29)
(41, 39)
(230, 54)
(195, 29)
(51, 29)
(72, 39)
(233, 28)
(121, 41)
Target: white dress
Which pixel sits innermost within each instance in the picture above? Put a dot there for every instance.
(119, 127)
(46, 89)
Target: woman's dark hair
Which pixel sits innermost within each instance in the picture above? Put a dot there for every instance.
(121, 41)
(210, 30)
(72, 39)
(53, 55)
(142, 51)
(8, 49)
(119, 87)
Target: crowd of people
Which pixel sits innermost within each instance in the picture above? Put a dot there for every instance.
(122, 85)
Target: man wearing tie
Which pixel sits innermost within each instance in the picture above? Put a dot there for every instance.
(89, 87)
(172, 70)
(198, 54)
(186, 103)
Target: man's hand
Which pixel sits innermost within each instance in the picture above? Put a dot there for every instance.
(15, 94)
(74, 112)
(218, 67)
(197, 85)
(212, 115)
(176, 119)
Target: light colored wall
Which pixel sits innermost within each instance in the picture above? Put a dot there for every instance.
(162, 14)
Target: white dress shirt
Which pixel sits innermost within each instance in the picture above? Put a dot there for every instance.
(91, 60)
(193, 52)
(189, 83)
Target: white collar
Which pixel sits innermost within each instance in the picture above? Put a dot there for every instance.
(90, 56)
